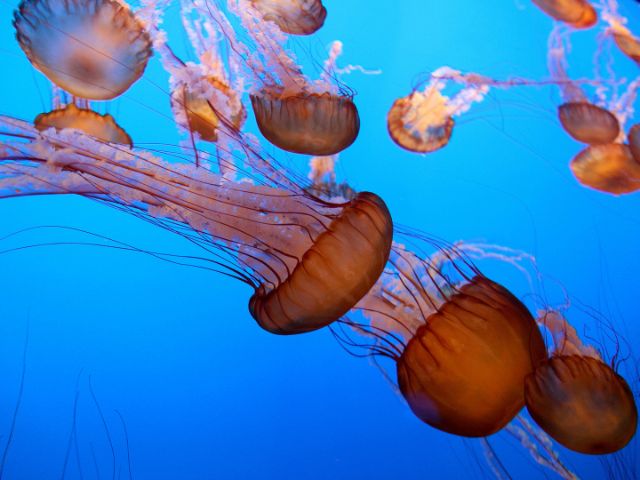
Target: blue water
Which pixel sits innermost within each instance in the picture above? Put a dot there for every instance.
(166, 363)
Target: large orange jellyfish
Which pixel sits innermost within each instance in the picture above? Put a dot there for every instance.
(309, 261)
(576, 13)
(292, 112)
(93, 49)
(296, 17)
(578, 399)
(462, 343)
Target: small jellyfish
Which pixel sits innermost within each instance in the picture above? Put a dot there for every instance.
(589, 123)
(101, 127)
(609, 168)
(576, 13)
(95, 49)
(315, 124)
(416, 124)
(423, 121)
(293, 112)
(628, 44)
(582, 403)
(198, 101)
(296, 17)
(463, 372)
(622, 36)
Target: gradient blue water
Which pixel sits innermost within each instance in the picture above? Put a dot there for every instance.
(203, 392)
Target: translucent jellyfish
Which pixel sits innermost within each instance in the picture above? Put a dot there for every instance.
(308, 260)
(463, 344)
(579, 400)
(93, 49)
(101, 127)
(609, 168)
(292, 112)
(576, 13)
(296, 17)
(423, 121)
(204, 99)
(589, 123)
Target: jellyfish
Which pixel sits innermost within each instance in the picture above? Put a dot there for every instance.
(295, 17)
(609, 168)
(462, 343)
(589, 123)
(203, 96)
(578, 399)
(576, 13)
(624, 39)
(607, 164)
(633, 137)
(101, 127)
(308, 260)
(293, 113)
(463, 372)
(423, 121)
(94, 49)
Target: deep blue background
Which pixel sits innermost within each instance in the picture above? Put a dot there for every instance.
(205, 394)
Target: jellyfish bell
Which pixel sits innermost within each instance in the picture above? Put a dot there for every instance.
(633, 137)
(610, 168)
(295, 17)
(95, 49)
(582, 403)
(417, 128)
(576, 13)
(628, 44)
(101, 127)
(463, 371)
(201, 104)
(589, 123)
(333, 274)
(307, 123)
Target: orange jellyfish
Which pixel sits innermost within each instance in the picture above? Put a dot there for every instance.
(589, 123)
(463, 372)
(579, 400)
(463, 346)
(423, 121)
(318, 124)
(198, 100)
(633, 137)
(582, 403)
(292, 112)
(609, 168)
(308, 260)
(576, 13)
(102, 127)
(93, 49)
(296, 17)
(622, 36)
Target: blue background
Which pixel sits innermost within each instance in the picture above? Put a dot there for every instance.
(204, 393)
